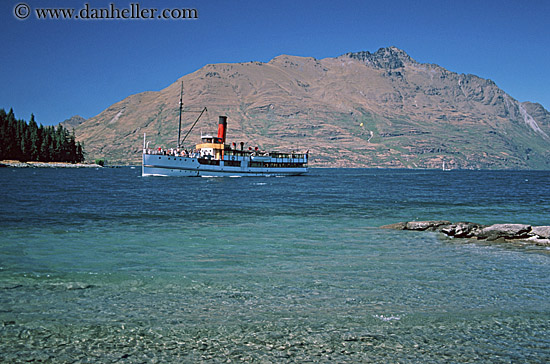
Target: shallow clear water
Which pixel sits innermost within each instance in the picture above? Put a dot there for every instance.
(105, 266)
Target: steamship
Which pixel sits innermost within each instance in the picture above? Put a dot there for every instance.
(213, 157)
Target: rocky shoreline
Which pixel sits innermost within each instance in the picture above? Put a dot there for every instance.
(521, 233)
(18, 164)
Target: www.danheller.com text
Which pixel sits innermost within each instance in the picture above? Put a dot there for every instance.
(88, 12)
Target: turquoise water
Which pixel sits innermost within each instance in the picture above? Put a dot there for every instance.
(105, 266)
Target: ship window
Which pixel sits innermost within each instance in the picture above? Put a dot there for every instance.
(159, 157)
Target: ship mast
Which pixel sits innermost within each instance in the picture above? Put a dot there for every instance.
(180, 142)
(181, 108)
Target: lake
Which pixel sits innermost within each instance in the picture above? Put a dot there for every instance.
(102, 265)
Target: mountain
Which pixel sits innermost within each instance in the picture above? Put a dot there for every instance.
(72, 122)
(362, 109)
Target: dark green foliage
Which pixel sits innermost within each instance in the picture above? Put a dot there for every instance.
(30, 142)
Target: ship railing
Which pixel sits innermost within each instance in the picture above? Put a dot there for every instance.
(171, 152)
(295, 160)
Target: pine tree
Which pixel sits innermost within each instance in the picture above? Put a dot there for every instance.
(45, 151)
(79, 152)
(11, 136)
(17, 141)
(3, 131)
(25, 143)
(34, 140)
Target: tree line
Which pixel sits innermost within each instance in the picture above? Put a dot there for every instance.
(25, 142)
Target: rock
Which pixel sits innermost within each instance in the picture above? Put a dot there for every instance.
(506, 231)
(396, 226)
(431, 225)
(426, 225)
(462, 229)
(538, 241)
(537, 235)
(541, 231)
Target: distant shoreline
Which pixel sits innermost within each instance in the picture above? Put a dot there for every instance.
(19, 164)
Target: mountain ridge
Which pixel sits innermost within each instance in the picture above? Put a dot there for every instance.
(72, 122)
(360, 109)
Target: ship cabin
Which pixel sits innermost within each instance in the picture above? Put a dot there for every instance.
(211, 147)
(213, 150)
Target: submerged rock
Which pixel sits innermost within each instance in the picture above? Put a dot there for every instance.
(426, 225)
(417, 225)
(396, 226)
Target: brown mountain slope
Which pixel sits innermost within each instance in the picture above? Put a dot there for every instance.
(363, 109)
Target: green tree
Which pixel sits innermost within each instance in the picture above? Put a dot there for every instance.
(45, 150)
(79, 152)
(3, 131)
(34, 140)
(25, 144)
(11, 145)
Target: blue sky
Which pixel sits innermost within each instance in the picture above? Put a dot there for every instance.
(60, 68)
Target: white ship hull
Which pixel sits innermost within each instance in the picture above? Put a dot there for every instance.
(167, 165)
